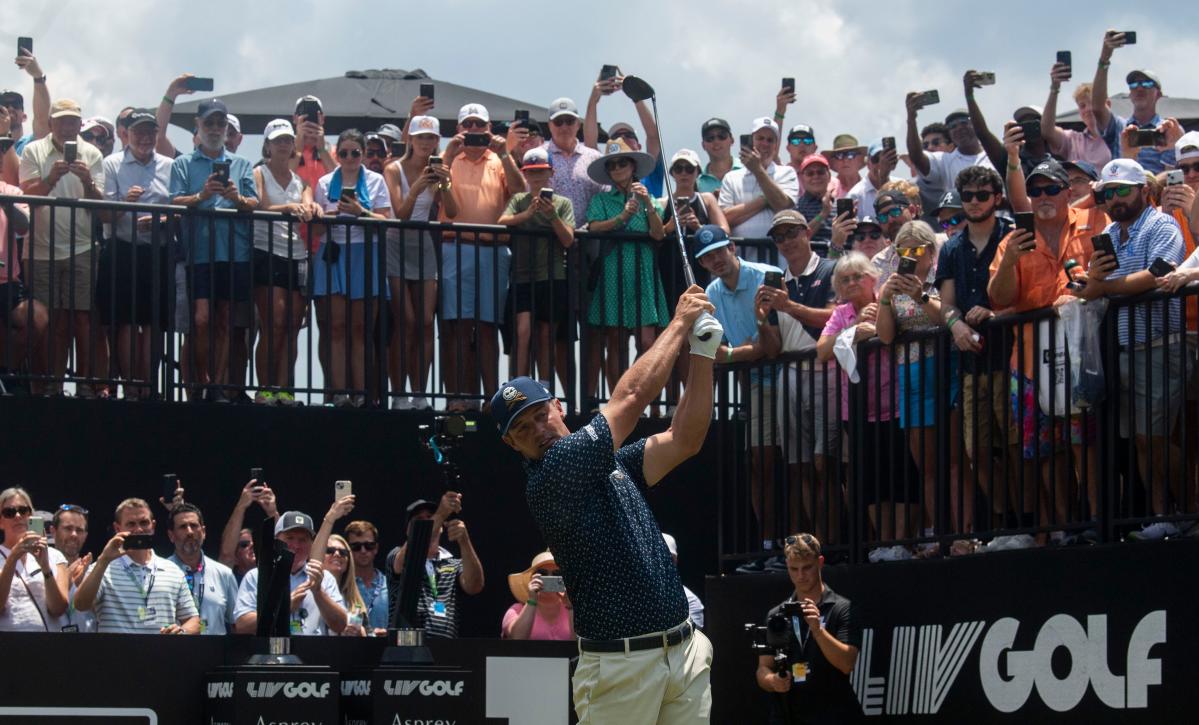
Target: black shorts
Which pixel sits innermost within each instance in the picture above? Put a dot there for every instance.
(212, 281)
(549, 301)
(125, 284)
(272, 270)
(12, 293)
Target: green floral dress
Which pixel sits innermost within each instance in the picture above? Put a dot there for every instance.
(629, 291)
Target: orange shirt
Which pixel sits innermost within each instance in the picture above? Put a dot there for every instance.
(1188, 238)
(1040, 275)
(481, 191)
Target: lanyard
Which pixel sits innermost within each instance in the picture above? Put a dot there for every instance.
(376, 587)
(798, 624)
(149, 589)
(432, 577)
(196, 577)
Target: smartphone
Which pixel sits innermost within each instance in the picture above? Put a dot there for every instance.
(434, 161)
(341, 489)
(889, 143)
(929, 98)
(1026, 221)
(169, 482)
(774, 279)
(24, 46)
(426, 90)
(845, 206)
(907, 265)
(547, 194)
(1098, 197)
(310, 110)
(1130, 37)
(522, 114)
(1103, 243)
(348, 195)
(198, 84)
(747, 141)
(789, 84)
(396, 148)
(476, 140)
(70, 151)
(986, 79)
(1032, 130)
(1174, 178)
(138, 541)
(5, 144)
(220, 169)
(608, 72)
(37, 525)
(1064, 58)
(552, 584)
(1159, 268)
(1150, 137)
(256, 473)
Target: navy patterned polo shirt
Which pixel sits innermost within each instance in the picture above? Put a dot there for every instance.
(587, 503)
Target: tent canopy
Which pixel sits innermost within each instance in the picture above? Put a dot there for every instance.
(360, 99)
(1186, 110)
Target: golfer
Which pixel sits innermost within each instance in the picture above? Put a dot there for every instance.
(641, 661)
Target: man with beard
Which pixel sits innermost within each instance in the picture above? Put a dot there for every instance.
(1151, 358)
(212, 584)
(1144, 91)
(376, 152)
(70, 534)
(937, 170)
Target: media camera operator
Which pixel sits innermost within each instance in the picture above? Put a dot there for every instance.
(814, 642)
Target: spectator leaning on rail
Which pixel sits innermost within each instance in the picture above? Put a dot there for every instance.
(1152, 361)
(60, 258)
(33, 575)
(134, 591)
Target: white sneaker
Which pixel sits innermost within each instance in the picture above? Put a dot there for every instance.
(421, 403)
(1155, 532)
(401, 403)
(341, 400)
(1007, 543)
(889, 553)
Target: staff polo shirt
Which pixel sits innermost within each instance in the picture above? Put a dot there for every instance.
(122, 171)
(813, 288)
(304, 621)
(25, 610)
(588, 504)
(36, 160)
(1152, 235)
(214, 590)
(189, 174)
(826, 696)
(970, 271)
(129, 589)
(570, 177)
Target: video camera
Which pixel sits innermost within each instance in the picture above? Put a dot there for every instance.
(444, 434)
(774, 638)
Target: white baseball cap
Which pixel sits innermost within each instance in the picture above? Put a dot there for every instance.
(686, 155)
(426, 124)
(563, 107)
(764, 122)
(278, 127)
(1121, 172)
(234, 123)
(1187, 146)
(473, 110)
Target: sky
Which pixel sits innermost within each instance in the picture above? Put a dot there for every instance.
(852, 64)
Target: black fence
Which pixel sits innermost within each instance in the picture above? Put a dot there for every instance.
(169, 302)
(934, 450)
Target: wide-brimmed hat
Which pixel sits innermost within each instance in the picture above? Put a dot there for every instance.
(846, 142)
(518, 583)
(618, 149)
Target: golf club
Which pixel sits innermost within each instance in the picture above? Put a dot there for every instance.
(637, 89)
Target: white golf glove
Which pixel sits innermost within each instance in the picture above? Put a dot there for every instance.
(706, 334)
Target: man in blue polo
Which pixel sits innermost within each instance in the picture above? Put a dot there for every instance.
(734, 292)
(584, 490)
(218, 249)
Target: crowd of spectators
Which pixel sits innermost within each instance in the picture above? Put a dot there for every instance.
(802, 253)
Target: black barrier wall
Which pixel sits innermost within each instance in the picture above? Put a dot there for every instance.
(1080, 635)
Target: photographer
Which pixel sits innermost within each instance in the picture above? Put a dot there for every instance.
(822, 645)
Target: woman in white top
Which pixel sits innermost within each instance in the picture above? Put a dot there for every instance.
(30, 601)
(340, 564)
(344, 271)
(280, 264)
(414, 186)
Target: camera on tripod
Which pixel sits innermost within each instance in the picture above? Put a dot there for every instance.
(774, 637)
(448, 430)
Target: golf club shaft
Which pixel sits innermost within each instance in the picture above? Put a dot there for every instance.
(688, 273)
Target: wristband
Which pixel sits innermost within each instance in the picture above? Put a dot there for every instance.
(531, 603)
(728, 355)
(778, 116)
(40, 79)
(884, 302)
(953, 321)
(1105, 64)
(168, 100)
(1013, 167)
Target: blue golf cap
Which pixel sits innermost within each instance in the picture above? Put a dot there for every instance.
(1084, 167)
(709, 237)
(513, 397)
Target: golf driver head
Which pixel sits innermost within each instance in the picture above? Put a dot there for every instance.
(637, 89)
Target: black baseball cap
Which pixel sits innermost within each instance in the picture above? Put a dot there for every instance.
(1083, 166)
(421, 504)
(138, 117)
(12, 99)
(209, 107)
(714, 122)
(1050, 169)
(891, 196)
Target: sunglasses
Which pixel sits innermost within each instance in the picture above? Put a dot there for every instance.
(952, 221)
(1120, 191)
(846, 155)
(1049, 190)
(912, 252)
(1189, 168)
(791, 233)
(862, 236)
(376, 154)
(11, 512)
(473, 123)
(618, 163)
(336, 551)
(802, 141)
(977, 195)
(561, 121)
(628, 135)
(244, 544)
(718, 136)
(360, 545)
(1141, 84)
(683, 169)
(345, 153)
(546, 572)
(94, 138)
(893, 213)
(72, 508)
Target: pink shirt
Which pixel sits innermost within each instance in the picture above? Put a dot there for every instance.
(1082, 146)
(542, 627)
(872, 378)
(12, 262)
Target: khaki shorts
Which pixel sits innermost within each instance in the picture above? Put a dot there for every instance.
(1155, 376)
(807, 410)
(657, 686)
(985, 401)
(760, 407)
(64, 284)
